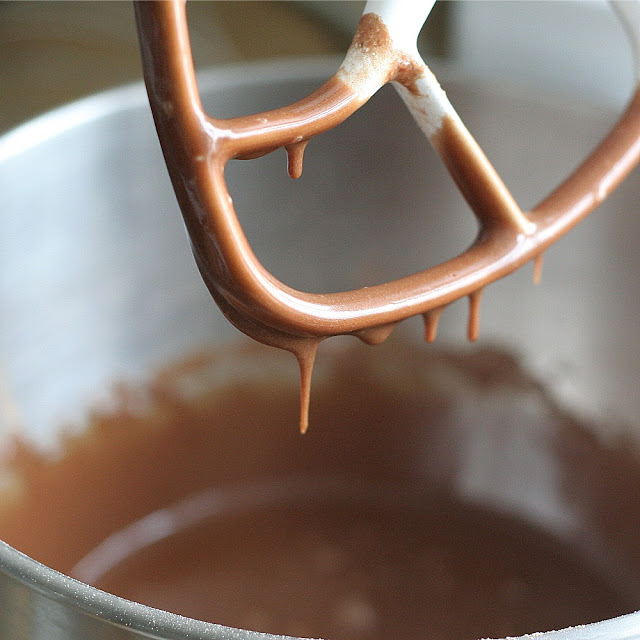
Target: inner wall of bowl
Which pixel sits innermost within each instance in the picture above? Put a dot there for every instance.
(98, 286)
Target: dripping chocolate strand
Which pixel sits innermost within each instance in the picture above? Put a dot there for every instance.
(295, 158)
(431, 319)
(538, 262)
(306, 355)
(473, 328)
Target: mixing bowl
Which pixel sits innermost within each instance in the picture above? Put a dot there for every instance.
(98, 285)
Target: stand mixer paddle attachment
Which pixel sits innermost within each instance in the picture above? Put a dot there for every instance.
(197, 147)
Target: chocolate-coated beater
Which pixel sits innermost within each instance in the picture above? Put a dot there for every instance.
(197, 148)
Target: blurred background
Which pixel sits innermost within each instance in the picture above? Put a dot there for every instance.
(54, 52)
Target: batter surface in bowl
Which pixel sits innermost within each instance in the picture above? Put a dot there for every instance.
(195, 495)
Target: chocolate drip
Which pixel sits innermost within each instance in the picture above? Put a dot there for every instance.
(295, 157)
(538, 263)
(473, 328)
(306, 355)
(431, 319)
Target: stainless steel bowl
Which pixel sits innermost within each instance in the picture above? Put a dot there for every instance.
(97, 282)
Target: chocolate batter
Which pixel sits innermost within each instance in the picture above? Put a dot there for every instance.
(203, 501)
(341, 563)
